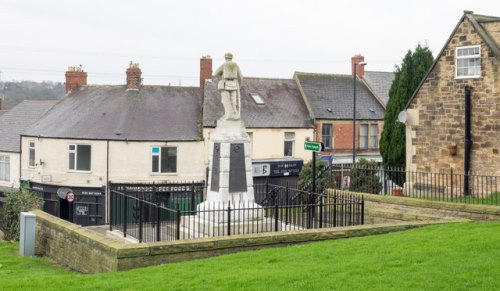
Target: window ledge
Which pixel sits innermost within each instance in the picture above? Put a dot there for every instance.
(468, 77)
(163, 174)
(79, 172)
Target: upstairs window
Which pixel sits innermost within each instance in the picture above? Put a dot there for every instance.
(79, 156)
(289, 141)
(164, 159)
(31, 153)
(368, 136)
(326, 135)
(468, 62)
(5, 168)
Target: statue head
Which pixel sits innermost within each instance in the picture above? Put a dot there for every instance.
(228, 56)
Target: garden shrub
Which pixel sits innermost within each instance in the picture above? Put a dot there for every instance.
(16, 202)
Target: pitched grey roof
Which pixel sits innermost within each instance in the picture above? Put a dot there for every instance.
(379, 83)
(331, 97)
(104, 112)
(18, 119)
(283, 105)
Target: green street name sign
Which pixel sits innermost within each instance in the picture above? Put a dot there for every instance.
(313, 146)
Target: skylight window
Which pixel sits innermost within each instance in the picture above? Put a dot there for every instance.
(257, 98)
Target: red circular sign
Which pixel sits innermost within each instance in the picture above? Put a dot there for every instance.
(70, 197)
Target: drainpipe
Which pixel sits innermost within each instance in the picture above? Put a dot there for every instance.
(468, 139)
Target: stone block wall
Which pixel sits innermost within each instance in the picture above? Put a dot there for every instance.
(73, 246)
(441, 112)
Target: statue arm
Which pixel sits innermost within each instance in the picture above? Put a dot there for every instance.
(218, 72)
(240, 77)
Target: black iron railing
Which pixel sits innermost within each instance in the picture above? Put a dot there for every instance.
(446, 186)
(279, 208)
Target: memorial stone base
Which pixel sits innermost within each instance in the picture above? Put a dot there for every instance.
(230, 180)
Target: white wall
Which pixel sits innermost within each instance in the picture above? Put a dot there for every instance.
(14, 170)
(128, 161)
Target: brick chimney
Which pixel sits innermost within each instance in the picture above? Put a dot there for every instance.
(360, 69)
(75, 77)
(205, 69)
(134, 80)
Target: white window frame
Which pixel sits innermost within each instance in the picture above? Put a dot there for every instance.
(329, 136)
(31, 149)
(159, 172)
(467, 57)
(5, 164)
(285, 140)
(369, 135)
(75, 158)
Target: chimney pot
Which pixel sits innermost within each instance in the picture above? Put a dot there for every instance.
(134, 80)
(360, 69)
(75, 77)
(205, 69)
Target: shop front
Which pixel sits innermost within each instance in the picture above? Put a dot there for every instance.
(80, 205)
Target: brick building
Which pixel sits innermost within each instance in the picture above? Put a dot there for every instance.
(436, 113)
(329, 98)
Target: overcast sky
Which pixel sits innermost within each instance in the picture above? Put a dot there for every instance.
(269, 38)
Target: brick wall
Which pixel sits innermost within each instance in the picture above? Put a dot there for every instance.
(440, 106)
(75, 77)
(342, 133)
(205, 69)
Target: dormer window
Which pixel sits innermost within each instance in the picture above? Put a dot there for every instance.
(257, 98)
(468, 62)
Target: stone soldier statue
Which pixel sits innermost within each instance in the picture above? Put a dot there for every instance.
(229, 87)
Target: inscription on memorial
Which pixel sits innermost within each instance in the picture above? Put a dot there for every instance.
(237, 172)
(214, 185)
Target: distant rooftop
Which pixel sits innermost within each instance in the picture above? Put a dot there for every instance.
(265, 102)
(109, 112)
(18, 119)
(331, 97)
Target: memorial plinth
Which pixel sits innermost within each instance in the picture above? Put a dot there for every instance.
(230, 181)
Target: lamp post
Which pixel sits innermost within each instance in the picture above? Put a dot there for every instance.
(354, 114)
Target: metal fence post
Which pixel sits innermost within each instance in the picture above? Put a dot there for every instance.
(287, 192)
(334, 208)
(110, 210)
(125, 216)
(140, 220)
(192, 199)
(276, 217)
(158, 223)
(321, 212)
(362, 210)
(178, 224)
(229, 218)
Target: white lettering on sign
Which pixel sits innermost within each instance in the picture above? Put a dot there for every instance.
(261, 170)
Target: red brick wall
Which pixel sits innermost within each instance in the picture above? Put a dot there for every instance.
(205, 69)
(360, 69)
(75, 79)
(342, 133)
(134, 79)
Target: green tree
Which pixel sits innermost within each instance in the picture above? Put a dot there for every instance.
(406, 80)
(322, 176)
(364, 177)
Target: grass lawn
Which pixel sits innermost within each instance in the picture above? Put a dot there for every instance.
(461, 256)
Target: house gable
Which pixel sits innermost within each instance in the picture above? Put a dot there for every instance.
(438, 104)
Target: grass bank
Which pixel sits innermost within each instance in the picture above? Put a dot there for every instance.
(460, 256)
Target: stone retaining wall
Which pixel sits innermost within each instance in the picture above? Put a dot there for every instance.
(85, 251)
(404, 208)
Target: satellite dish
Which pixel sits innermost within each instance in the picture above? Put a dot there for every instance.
(402, 117)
